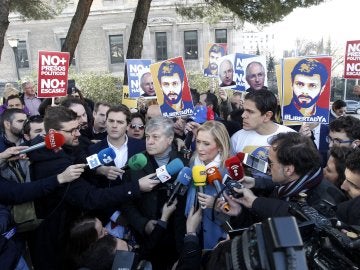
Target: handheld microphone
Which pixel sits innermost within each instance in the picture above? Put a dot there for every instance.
(199, 178)
(214, 178)
(182, 180)
(235, 168)
(52, 141)
(164, 172)
(188, 139)
(104, 157)
(136, 162)
(241, 156)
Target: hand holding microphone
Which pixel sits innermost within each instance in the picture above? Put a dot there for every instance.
(71, 173)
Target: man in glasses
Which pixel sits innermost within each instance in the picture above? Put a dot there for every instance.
(60, 209)
(294, 164)
(344, 131)
(349, 211)
(117, 122)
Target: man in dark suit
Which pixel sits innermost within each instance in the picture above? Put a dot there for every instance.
(117, 121)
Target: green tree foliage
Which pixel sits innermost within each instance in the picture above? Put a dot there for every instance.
(37, 9)
(259, 11)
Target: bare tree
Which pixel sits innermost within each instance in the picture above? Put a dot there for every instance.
(77, 24)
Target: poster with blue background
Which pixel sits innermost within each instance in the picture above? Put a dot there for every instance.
(136, 68)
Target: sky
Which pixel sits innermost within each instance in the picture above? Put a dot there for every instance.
(337, 19)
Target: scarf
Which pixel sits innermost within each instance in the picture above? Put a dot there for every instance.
(216, 162)
(303, 184)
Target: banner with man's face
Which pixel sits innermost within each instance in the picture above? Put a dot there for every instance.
(306, 89)
(139, 78)
(213, 52)
(172, 87)
(242, 71)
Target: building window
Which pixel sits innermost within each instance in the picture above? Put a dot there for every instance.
(22, 55)
(220, 36)
(116, 43)
(73, 62)
(161, 46)
(191, 45)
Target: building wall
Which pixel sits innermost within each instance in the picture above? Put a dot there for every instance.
(111, 17)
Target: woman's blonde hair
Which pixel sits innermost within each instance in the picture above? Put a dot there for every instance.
(221, 137)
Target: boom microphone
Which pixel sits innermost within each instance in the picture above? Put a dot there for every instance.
(52, 141)
(136, 162)
(235, 168)
(165, 172)
(104, 157)
(183, 180)
(199, 178)
(214, 178)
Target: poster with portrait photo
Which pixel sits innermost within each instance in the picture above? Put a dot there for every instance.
(306, 85)
(233, 68)
(172, 87)
(140, 79)
(213, 51)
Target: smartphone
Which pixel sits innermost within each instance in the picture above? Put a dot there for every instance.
(255, 162)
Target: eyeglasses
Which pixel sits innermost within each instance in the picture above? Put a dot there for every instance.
(352, 184)
(133, 126)
(72, 131)
(337, 141)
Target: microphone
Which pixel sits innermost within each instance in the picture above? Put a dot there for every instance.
(199, 178)
(53, 140)
(235, 168)
(188, 139)
(164, 172)
(136, 162)
(240, 156)
(183, 180)
(214, 178)
(104, 157)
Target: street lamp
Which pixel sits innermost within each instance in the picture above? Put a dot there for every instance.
(14, 45)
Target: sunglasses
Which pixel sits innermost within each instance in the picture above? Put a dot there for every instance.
(133, 126)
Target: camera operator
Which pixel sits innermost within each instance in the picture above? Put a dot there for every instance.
(349, 211)
(295, 167)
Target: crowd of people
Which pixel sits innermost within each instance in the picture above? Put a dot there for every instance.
(57, 212)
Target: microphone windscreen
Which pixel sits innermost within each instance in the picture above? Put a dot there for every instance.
(213, 174)
(137, 161)
(235, 168)
(54, 140)
(106, 155)
(240, 156)
(199, 175)
(174, 166)
(184, 176)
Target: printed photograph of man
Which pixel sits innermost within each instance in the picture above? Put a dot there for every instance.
(215, 52)
(147, 85)
(255, 76)
(171, 80)
(308, 80)
(226, 73)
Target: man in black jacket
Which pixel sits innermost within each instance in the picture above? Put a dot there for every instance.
(295, 168)
(143, 213)
(63, 206)
(349, 211)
